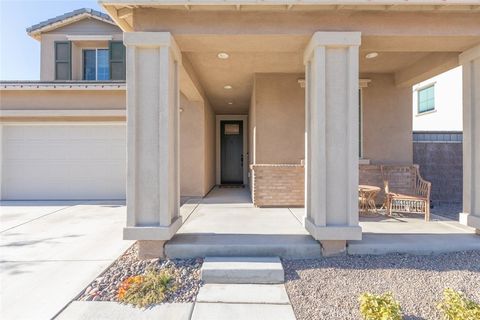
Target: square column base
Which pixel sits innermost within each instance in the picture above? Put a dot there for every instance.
(331, 248)
(150, 249)
(152, 233)
(333, 232)
(470, 221)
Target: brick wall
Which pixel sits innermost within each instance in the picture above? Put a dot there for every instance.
(371, 174)
(283, 185)
(440, 157)
(278, 185)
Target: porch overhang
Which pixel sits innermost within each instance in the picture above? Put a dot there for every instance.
(122, 11)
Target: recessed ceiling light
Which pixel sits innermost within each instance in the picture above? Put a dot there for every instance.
(227, 87)
(223, 55)
(230, 102)
(371, 55)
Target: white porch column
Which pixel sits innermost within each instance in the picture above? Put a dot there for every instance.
(331, 139)
(153, 195)
(470, 61)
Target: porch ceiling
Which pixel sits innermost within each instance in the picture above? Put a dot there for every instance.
(250, 54)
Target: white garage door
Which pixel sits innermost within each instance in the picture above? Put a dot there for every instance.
(63, 162)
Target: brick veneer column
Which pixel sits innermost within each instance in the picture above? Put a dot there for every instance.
(331, 146)
(153, 198)
(470, 61)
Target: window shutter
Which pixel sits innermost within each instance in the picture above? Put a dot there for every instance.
(63, 60)
(117, 60)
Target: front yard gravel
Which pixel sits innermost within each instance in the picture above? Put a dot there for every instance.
(329, 288)
(186, 273)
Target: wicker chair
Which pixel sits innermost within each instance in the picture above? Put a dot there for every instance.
(408, 192)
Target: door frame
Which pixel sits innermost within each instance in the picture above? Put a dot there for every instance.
(244, 119)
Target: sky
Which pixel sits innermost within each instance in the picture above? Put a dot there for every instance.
(19, 53)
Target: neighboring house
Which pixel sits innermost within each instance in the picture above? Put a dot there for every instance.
(437, 134)
(261, 94)
(437, 103)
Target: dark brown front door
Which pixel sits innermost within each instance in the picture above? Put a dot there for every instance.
(231, 152)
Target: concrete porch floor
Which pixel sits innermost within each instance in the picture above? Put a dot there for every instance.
(226, 223)
(411, 234)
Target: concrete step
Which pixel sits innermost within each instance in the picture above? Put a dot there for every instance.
(243, 293)
(253, 270)
(242, 245)
(245, 311)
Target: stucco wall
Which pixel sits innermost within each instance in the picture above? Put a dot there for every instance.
(306, 22)
(83, 27)
(387, 121)
(209, 149)
(279, 119)
(62, 99)
(191, 148)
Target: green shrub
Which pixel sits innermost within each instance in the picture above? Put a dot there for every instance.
(456, 306)
(145, 290)
(380, 307)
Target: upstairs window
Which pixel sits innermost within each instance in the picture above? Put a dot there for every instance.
(96, 64)
(426, 99)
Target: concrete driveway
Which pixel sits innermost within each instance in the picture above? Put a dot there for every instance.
(49, 251)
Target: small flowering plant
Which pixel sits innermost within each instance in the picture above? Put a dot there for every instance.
(127, 284)
(147, 289)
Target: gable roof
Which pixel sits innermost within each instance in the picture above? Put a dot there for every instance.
(67, 18)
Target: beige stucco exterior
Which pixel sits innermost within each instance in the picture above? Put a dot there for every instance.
(387, 121)
(279, 119)
(59, 99)
(197, 148)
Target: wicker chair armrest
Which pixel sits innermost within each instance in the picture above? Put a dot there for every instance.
(386, 188)
(423, 187)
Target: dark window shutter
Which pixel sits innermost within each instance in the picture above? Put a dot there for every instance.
(63, 60)
(117, 60)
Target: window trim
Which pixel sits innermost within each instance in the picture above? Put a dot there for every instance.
(420, 89)
(96, 62)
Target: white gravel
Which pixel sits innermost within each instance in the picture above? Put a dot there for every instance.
(186, 273)
(329, 288)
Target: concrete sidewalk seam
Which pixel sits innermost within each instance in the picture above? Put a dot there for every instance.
(26, 222)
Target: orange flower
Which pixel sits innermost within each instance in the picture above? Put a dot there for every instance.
(126, 284)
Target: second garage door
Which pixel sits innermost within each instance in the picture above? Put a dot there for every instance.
(63, 162)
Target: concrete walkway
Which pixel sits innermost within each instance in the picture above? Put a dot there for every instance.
(51, 250)
(243, 288)
(243, 302)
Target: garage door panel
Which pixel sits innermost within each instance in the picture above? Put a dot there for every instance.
(64, 162)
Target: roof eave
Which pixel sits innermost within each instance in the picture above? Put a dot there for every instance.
(36, 30)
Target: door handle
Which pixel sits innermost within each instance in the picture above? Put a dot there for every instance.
(241, 160)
